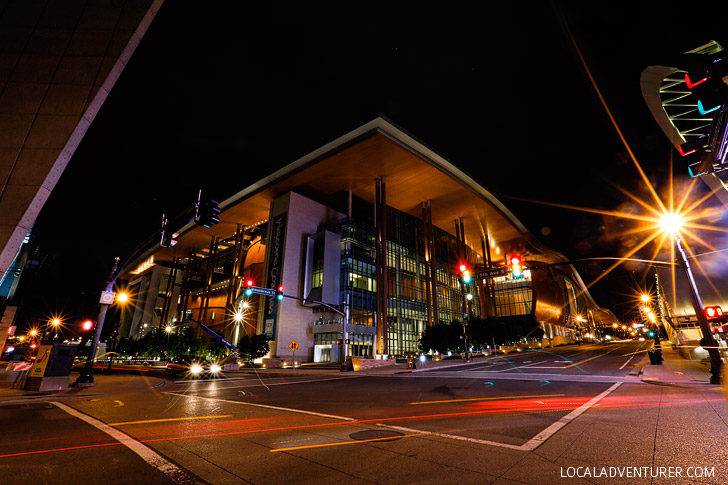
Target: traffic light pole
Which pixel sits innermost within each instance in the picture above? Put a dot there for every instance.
(86, 378)
(708, 342)
(466, 317)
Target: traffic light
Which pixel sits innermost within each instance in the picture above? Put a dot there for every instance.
(515, 266)
(464, 271)
(249, 283)
(714, 314)
(87, 325)
(207, 213)
(279, 292)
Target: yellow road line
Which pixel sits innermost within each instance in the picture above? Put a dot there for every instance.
(339, 443)
(170, 419)
(587, 360)
(488, 398)
(636, 352)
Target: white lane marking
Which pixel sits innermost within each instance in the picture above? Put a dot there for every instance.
(625, 364)
(147, 454)
(540, 438)
(534, 364)
(452, 436)
(256, 383)
(545, 367)
(301, 411)
(530, 445)
(518, 376)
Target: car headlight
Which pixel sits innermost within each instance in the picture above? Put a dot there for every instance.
(195, 369)
(214, 368)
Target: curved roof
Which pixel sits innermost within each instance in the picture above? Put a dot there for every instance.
(414, 173)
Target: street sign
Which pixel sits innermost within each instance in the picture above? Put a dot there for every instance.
(491, 273)
(107, 297)
(262, 291)
(293, 345)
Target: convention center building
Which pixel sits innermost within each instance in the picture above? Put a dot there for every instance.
(374, 225)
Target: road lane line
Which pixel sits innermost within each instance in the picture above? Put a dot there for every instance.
(489, 398)
(625, 364)
(587, 360)
(353, 442)
(279, 408)
(453, 437)
(540, 438)
(257, 383)
(169, 419)
(172, 472)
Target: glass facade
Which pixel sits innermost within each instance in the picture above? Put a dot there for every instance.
(512, 296)
(406, 293)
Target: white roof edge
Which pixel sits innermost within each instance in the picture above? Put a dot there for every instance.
(380, 125)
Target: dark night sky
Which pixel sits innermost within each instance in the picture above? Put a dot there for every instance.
(498, 91)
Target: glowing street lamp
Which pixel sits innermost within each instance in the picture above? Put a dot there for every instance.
(169, 329)
(122, 297)
(56, 322)
(645, 297)
(672, 223)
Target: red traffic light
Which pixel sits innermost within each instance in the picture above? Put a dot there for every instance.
(280, 289)
(464, 273)
(87, 325)
(514, 266)
(249, 282)
(714, 313)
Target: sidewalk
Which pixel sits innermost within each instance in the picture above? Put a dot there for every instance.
(105, 384)
(675, 369)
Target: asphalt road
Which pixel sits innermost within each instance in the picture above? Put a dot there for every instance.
(464, 424)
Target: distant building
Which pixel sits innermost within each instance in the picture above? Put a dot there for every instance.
(325, 225)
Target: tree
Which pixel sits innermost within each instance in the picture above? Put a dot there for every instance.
(254, 347)
(442, 338)
(504, 330)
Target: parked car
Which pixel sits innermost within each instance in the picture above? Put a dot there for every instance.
(193, 366)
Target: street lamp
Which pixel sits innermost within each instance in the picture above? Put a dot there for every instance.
(672, 224)
(169, 329)
(56, 322)
(645, 297)
(122, 297)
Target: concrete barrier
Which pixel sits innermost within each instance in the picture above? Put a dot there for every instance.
(358, 363)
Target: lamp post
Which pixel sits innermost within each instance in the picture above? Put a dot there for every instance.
(708, 342)
(672, 224)
(56, 322)
(86, 377)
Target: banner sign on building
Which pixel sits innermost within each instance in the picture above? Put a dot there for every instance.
(275, 266)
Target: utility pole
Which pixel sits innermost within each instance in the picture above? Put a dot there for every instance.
(708, 342)
(86, 378)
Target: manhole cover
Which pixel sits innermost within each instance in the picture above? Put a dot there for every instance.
(376, 434)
